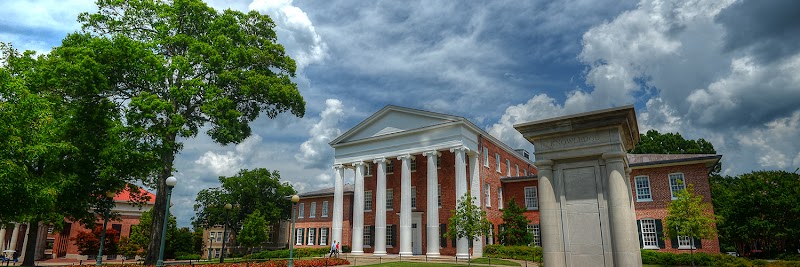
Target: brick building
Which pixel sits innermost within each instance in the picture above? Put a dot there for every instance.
(403, 159)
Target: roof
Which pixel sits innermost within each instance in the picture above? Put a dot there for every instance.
(348, 188)
(649, 160)
(126, 196)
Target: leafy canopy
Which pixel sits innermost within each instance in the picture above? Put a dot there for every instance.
(514, 230)
(254, 230)
(689, 216)
(654, 142)
(467, 220)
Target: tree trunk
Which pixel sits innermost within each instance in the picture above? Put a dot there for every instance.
(30, 250)
(161, 204)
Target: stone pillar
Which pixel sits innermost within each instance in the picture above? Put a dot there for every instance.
(462, 244)
(338, 201)
(2, 237)
(358, 210)
(25, 241)
(14, 236)
(433, 205)
(380, 209)
(623, 228)
(405, 206)
(550, 216)
(475, 189)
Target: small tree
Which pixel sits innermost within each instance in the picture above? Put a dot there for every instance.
(515, 226)
(688, 216)
(467, 220)
(89, 242)
(254, 231)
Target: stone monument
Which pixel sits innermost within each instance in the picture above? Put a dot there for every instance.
(585, 201)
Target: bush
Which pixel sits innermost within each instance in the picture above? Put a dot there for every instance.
(284, 253)
(513, 252)
(186, 256)
(703, 259)
(346, 249)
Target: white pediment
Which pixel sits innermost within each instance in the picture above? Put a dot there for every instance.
(391, 120)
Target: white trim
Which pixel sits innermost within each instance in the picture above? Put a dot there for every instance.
(649, 188)
(654, 233)
(671, 185)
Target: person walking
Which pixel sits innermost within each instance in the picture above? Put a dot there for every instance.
(333, 249)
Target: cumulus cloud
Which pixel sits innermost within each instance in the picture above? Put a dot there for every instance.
(229, 162)
(295, 31)
(315, 152)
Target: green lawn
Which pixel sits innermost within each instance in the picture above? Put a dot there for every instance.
(415, 264)
(494, 262)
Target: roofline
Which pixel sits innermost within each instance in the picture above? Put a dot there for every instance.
(710, 160)
(384, 110)
(514, 179)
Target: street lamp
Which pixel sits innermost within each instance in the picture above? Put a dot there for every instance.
(228, 207)
(295, 199)
(171, 182)
(110, 196)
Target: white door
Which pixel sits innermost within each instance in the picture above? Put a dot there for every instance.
(416, 236)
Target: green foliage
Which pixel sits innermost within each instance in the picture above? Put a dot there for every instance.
(689, 216)
(704, 259)
(514, 230)
(654, 142)
(186, 257)
(254, 230)
(758, 210)
(467, 220)
(284, 253)
(181, 242)
(491, 261)
(140, 234)
(127, 248)
(513, 252)
(254, 190)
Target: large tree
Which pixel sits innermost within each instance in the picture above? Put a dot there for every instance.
(654, 142)
(514, 230)
(688, 216)
(184, 66)
(253, 190)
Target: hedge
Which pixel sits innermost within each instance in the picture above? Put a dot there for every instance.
(186, 256)
(513, 252)
(704, 259)
(284, 253)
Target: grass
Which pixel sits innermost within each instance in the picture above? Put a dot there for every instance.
(415, 264)
(494, 261)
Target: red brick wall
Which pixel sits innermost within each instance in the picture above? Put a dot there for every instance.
(325, 222)
(126, 220)
(696, 174)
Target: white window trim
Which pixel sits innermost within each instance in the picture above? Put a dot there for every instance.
(486, 157)
(535, 197)
(412, 164)
(508, 167)
(368, 170)
(367, 235)
(322, 241)
(686, 246)
(389, 164)
(497, 159)
(310, 236)
(649, 188)
(683, 178)
(499, 197)
(413, 197)
(371, 203)
(487, 188)
(439, 195)
(324, 209)
(312, 211)
(299, 236)
(389, 199)
(389, 236)
(655, 233)
(517, 167)
(301, 210)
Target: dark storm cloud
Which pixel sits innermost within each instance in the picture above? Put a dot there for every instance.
(770, 28)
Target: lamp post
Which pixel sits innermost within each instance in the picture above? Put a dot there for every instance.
(225, 233)
(295, 199)
(110, 196)
(171, 182)
(210, 244)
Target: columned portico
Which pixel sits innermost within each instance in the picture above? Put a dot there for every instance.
(433, 205)
(380, 208)
(475, 189)
(405, 206)
(338, 201)
(462, 244)
(358, 208)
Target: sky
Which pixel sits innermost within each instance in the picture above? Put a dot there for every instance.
(726, 71)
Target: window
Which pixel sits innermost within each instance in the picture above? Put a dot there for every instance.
(676, 183)
(486, 157)
(300, 210)
(517, 167)
(497, 160)
(367, 169)
(413, 197)
(299, 236)
(439, 194)
(312, 212)
(487, 189)
(531, 198)
(685, 242)
(499, 197)
(413, 164)
(311, 233)
(219, 236)
(508, 167)
(643, 188)
(438, 162)
(325, 208)
(323, 236)
(367, 201)
(216, 253)
(526, 171)
(648, 230)
(537, 235)
(367, 236)
(50, 229)
(389, 235)
(389, 199)
(211, 235)
(389, 167)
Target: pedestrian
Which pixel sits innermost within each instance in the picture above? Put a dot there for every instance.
(333, 248)
(337, 249)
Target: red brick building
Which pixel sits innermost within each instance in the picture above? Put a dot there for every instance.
(398, 140)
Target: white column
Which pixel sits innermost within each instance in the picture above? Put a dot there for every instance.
(405, 206)
(338, 201)
(462, 244)
(433, 205)
(380, 209)
(475, 189)
(25, 240)
(2, 237)
(623, 231)
(14, 235)
(358, 210)
(550, 217)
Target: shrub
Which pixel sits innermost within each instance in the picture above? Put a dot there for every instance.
(186, 256)
(284, 253)
(513, 252)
